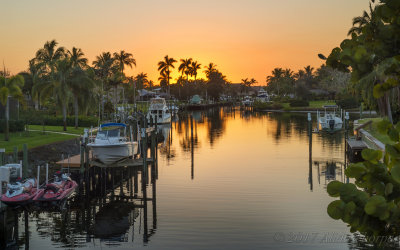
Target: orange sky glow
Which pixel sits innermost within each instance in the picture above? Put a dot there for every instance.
(244, 38)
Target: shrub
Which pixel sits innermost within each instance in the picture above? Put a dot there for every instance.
(348, 103)
(14, 125)
(259, 106)
(299, 103)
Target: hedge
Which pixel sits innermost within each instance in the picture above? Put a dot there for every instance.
(348, 103)
(14, 125)
(83, 121)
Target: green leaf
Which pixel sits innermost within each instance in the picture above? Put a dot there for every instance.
(388, 189)
(333, 188)
(383, 126)
(355, 170)
(348, 191)
(336, 209)
(396, 172)
(371, 155)
(375, 205)
(393, 134)
(392, 151)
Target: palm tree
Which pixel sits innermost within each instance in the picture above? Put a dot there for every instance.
(77, 58)
(164, 68)
(81, 86)
(309, 71)
(300, 74)
(104, 65)
(185, 67)
(58, 86)
(10, 87)
(361, 21)
(195, 67)
(151, 83)
(209, 69)
(123, 58)
(49, 54)
(141, 80)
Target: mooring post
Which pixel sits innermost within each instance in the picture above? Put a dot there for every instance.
(2, 153)
(15, 154)
(87, 153)
(153, 146)
(82, 153)
(25, 160)
(310, 135)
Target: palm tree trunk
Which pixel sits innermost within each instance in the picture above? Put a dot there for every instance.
(6, 132)
(76, 107)
(389, 110)
(64, 111)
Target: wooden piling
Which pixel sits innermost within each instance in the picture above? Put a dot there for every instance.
(15, 154)
(25, 160)
(2, 154)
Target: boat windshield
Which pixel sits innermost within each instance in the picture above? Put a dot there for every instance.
(107, 133)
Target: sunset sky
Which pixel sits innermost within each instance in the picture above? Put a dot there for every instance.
(245, 38)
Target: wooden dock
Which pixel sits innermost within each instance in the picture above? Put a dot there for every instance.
(74, 162)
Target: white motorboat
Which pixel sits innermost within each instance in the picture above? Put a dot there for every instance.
(110, 146)
(159, 109)
(262, 96)
(330, 122)
(247, 101)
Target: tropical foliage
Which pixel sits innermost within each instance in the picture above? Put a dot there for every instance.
(372, 55)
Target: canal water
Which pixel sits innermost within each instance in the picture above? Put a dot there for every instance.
(225, 179)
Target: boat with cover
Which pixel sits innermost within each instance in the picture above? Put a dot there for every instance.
(247, 101)
(58, 190)
(330, 122)
(262, 96)
(158, 108)
(110, 145)
(20, 193)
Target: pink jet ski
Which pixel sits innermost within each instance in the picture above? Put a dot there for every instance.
(60, 189)
(20, 193)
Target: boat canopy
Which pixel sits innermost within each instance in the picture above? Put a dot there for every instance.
(112, 124)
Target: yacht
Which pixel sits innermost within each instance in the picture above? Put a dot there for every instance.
(158, 108)
(247, 101)
(111, 143)
(262, 96)
(330, 122)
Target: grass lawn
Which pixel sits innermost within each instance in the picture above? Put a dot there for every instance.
(373, 130)
(70, 130)
(32, 139)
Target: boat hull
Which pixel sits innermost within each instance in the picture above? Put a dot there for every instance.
(110, 153)
(325, 126)
(163, 120)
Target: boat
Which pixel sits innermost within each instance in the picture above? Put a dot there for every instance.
(110, 146)
(20, 193)
(158, 109)
(58, 190)
(247, 101)
(330, 122)
(262, 96)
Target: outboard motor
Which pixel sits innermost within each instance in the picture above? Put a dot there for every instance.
(332, 124)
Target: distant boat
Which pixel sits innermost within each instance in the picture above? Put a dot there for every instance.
(262, 96)
(330, 122)
(109, 146)
(247, 101)
(158, 108)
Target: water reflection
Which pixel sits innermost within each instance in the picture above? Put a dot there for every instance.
(110, 208)
(227, 179)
